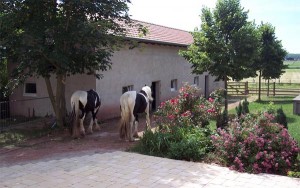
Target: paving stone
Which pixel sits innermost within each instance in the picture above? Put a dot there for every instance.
(124, 169)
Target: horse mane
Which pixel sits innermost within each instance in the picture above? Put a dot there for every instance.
(144, 93)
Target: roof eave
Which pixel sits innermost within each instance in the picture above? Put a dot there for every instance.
(158, 42)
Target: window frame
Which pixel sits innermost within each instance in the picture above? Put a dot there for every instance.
(28, 86)
(127, 88)
(196, 81)
(174, 85)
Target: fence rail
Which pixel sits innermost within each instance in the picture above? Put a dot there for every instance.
(15, 112)
(273, 89)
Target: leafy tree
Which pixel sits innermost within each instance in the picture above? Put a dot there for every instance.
(226, 44)
(61, 38)
(3, 79)
(269, 62)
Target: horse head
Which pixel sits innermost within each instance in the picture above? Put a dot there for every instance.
(147, 90)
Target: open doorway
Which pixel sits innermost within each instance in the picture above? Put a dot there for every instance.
(206, 86)
(155, 87)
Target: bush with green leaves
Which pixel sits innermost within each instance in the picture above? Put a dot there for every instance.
(181, 132)
(242, 108)
(254, 143)
(281, 117)
(182, 143)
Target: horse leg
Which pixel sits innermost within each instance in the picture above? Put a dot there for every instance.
(75, 133)
(148, 126)
(136, 123)
(130, 130)
(90, 128)
(97, 127)
(82, 131)
(135, 133)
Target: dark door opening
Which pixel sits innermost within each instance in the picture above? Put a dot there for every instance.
(206, 86)
(155, 88)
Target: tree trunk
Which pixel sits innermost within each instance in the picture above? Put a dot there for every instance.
(225, 95)
(268, 87)
(50, 93)
(259, 85)
(58, 103)
(59, 100)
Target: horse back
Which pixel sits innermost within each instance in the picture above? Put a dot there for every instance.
(140, 104)
(128, 98)
(93, 100)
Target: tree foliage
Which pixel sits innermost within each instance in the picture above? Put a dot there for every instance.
(269, 62)
(61, 38)
(226, 44)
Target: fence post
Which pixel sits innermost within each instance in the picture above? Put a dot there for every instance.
(246, 88)
(273, 88)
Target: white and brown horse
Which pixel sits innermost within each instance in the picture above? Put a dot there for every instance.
(83, 102)
(132, 103)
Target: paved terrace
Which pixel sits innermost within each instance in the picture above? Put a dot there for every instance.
(123, 169)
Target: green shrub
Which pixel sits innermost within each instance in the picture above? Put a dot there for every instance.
(281, 117)
(182, 143)
(238, 110)
(193, 146)
(242, 108)
(294, 174)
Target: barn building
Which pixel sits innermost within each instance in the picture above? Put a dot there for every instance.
(154, 62)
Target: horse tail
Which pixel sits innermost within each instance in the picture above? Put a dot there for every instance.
(74, 114)
(125, 120)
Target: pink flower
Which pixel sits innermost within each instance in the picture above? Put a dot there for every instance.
(212, 110)
(186, 114)
(174, 101)
(171, 116)
(162, 104)
(211, 100)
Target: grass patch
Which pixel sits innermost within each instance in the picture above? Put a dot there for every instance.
(17, 136)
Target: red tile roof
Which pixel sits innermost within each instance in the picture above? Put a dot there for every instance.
(160, 34)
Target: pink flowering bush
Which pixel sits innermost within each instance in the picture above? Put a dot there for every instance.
(187, 109)
(254, 143)
(182, 133)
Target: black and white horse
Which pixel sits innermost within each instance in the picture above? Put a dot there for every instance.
(83, 102)
(133, 103)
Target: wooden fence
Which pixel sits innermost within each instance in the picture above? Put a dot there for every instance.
(242, 89)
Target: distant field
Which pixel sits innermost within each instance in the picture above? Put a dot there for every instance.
(290, 76)
(293, 64)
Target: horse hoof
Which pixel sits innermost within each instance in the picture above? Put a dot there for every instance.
(83, 134)
(97, 128)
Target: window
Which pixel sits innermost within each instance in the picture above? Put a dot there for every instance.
(196, 80)
(30, 89)
(174, 85)
(127, 88)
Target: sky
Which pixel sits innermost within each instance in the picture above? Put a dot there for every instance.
(284, 15)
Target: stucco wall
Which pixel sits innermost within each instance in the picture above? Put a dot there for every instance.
(23, 104)
(139, 66)
(144, 65)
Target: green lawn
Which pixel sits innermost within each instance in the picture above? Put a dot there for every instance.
(287, 105)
